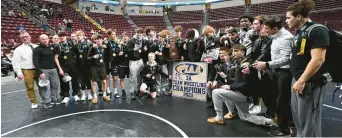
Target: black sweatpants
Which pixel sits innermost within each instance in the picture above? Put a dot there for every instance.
(84, 77)
(65, 87)
(283, 79)
(266, 91)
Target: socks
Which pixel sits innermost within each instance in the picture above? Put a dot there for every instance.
(219, 116)
(104, 94)
(115, 91)
(95, 95)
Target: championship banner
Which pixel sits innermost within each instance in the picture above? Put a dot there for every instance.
(212, 54)
(190, 80)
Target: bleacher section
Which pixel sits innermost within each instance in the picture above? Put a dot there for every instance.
(79, 22)
(143, 21)
(9, 24)
(113, 21)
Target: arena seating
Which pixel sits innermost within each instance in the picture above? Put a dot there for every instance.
(113, 21)
(186, 16)
(187, 19)
(187, 26)
(9, 25)
(79, 22)
(143, 21)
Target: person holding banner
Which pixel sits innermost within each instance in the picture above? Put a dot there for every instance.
(236, 94)
(211, 46)
(149, 74)
(97, 66)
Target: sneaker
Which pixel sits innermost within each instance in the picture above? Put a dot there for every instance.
(56, 102)
(279, 133)
(83, 97)
(230, 115)
(214, 121)
(100, 93)
(47, 105)
(34, 106)
(116, 95)
(255, 109)
(90, 97)
(123, 94)
(106, 98)
(76, 98)
(65, 100)
(94, 101)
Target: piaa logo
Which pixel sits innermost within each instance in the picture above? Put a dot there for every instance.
(189, 69)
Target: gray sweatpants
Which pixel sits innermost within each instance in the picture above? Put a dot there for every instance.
(306, 110)
(232, 98)
(135, 68)
(52, 76)
(162, 81)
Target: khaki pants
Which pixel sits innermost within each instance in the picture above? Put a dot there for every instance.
(29, 78)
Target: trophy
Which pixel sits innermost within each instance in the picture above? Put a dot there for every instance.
(173, 50)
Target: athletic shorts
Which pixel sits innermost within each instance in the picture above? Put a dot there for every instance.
(97, 73)
(151, 85)
(123, 72)
(112, 69)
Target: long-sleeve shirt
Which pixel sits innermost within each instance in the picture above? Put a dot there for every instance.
(22, 58)
(43, 58)
(281, 49)
(133, 47)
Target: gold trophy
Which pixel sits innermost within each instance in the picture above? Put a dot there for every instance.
(173, 50)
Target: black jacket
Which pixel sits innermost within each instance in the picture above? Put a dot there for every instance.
(123, 59)
(229, 70)
(112, 48)
(154, 70)
(242, 83)
(81, 55)
(194, 50)
(151, 47)
(133, 47)
(43, 58)
(261, 50)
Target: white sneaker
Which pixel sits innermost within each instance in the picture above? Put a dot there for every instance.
(66, 100)
(76, 98)
(34, 106)
(90, 97)
(256, 109)
(84, 97)
(108, 90)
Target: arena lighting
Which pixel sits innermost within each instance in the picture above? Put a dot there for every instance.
(158, 4)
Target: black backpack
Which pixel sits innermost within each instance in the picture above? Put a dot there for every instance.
(333, 57)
